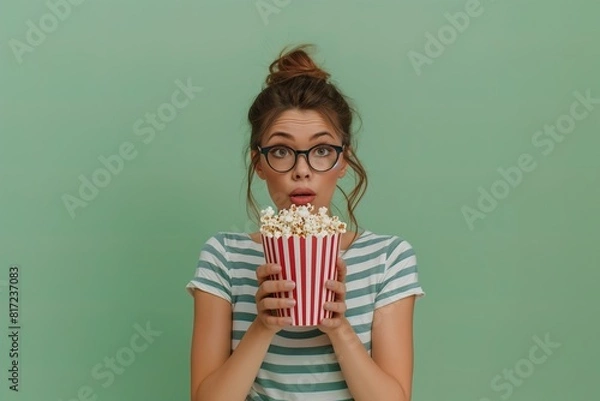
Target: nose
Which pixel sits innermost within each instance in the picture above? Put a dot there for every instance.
(301, 169)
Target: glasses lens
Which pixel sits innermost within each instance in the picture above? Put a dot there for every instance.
(323, 157)
(320, 158)
(281, 158)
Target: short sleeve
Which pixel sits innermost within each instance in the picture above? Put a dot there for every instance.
(401, 277)
(212, 273)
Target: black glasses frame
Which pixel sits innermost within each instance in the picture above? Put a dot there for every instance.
(265, 151)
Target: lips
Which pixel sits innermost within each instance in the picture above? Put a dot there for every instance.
(302, 196)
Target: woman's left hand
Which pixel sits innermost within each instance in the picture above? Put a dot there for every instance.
(338, 306)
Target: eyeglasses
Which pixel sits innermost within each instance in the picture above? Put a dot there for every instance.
(320, 158)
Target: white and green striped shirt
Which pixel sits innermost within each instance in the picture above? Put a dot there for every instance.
(300, 363)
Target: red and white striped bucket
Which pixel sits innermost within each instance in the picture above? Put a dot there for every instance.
(309, 262)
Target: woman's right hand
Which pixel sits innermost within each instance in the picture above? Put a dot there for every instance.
(267, 303)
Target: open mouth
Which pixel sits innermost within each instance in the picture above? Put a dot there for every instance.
(302, 197)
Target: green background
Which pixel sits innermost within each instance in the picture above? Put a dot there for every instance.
(429, 140)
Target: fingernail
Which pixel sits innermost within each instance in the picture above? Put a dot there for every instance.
(290, 302)
(290, 285)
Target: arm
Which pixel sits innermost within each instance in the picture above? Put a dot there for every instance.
(387, 374)
(215, 375)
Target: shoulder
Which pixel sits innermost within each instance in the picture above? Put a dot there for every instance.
(391, 249)
(230, 243)
(226, 239)
(388, 243)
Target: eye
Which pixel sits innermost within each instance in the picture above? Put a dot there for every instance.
(280, 152)
(323, 151)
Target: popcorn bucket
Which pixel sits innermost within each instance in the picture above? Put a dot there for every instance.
(309, 262)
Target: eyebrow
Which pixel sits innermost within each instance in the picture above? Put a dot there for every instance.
(290, 136)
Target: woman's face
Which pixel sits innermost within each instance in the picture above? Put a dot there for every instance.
(300, 130)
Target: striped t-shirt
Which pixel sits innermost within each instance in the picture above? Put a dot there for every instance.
(300, 363)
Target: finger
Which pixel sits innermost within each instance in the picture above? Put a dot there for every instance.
(330, 323)
(341, 269)
(267, 273)
(264, 271)
(337, 307)
(276, 303)
(273, 287)
(336, 286)
(277, 321)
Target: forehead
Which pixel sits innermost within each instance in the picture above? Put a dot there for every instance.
(300, 125)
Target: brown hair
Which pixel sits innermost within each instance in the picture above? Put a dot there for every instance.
(296, 82)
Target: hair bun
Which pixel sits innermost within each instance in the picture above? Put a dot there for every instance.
(294, 63)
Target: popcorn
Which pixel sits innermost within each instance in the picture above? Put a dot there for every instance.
(299, 221)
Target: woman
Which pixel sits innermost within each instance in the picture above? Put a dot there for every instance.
(240, 350)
